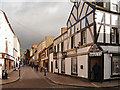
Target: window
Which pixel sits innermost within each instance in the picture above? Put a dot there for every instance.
(58, 48)
(74, 65)
(83, 37)
(55, 48)
(72, 42)
(56, 64)
(62, 46)
(116, 65)
(113, 35)
(6, 46)
(107, 5)
(115, 7)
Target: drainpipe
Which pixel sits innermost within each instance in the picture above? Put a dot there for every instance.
(76, 59)
(58, 63)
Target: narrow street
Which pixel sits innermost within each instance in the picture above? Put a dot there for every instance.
(32, 79)
(35, 80)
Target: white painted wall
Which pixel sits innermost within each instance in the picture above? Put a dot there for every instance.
(83, 50)
(108, 16)
(111, 48)
(77, 39)
(107, 66)
(68, 66)
(111, 5)
(5, 32)
(50, 60)
(89, 37)
(82, 60)
(59, 65)
(2, 62)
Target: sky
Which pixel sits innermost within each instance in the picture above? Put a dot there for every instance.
(32, 20)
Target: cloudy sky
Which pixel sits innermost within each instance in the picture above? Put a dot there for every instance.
(32, 20)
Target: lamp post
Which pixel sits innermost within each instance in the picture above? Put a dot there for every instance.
(19, 70)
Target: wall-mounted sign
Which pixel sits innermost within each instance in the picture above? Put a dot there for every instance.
(3, 55)
(55, 55)
(95, 51)
(71, 52)
(95, 54)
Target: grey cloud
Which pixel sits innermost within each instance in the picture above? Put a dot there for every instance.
(33, 21)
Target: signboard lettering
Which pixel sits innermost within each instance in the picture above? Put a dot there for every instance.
(95, 53)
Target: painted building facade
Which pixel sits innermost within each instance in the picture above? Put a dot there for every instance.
(10, 45)
(41, 55)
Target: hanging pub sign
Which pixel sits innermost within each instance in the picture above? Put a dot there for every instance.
(55, 55)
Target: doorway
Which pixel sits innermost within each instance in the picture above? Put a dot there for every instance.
(95, 69)
(51, 66)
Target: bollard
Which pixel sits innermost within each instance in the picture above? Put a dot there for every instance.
(19, 73)
(58, 71)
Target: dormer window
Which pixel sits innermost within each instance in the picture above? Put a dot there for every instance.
(114, 7)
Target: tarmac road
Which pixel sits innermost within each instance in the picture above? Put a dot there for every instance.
(30, 79)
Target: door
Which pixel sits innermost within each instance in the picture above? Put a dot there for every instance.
(51, 66)
(0, 71)
(63, 66)
(95, 69)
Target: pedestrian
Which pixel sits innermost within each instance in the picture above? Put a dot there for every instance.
(41, 69)
(96, 70)
(6, 74)
(45, 71)
(3, 74)
(33, 66)
(37, 67)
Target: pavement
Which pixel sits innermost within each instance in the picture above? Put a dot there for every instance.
(78, 82)
(12, 77)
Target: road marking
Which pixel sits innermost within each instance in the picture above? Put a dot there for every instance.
(94, 85)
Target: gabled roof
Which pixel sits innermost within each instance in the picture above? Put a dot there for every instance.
(8, 22)
(94, 6)
(10, 26)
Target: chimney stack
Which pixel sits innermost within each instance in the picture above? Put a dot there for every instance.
(63, 30)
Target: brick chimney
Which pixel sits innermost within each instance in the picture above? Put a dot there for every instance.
(63, 30)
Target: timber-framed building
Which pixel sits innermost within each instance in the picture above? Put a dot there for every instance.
(92, 37)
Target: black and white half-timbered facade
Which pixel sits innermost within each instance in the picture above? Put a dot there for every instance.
(92, 40)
